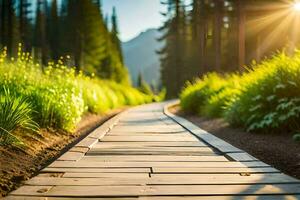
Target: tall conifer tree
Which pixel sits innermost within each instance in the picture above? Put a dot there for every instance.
(25, 26)
(172, 54)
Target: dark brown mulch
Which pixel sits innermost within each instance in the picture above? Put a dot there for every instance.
(280, 150)
(18, 165)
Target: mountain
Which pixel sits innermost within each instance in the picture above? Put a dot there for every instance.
(140, 57)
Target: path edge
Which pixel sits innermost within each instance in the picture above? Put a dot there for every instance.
(225, 148)
(84, 145)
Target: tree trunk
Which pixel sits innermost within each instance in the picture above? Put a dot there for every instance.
(241, 33)
(218, 33)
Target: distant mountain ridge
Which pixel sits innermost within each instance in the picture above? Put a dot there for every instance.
(140, 56)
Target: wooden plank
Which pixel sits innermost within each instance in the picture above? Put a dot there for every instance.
(219, 179)
(105, 175)
(149, 144)
(150, 139)
(81, 164)
(65, 198)
(252, 197)
(99, 170)
(117, 191)
(124, 129)
(41, 181)
(155, 158)
(241, 157)
(154, 134)
(171, 149)
(71, 156)
(79, 149)
(213, 170)
(146, 153)
(151, 126)
(87, 142)
(163, 179)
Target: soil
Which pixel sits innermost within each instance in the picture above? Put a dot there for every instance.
(278, 150)
(18, 164)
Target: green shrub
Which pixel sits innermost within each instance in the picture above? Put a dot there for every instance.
(269, 98)
(208, 96)
(264, 98)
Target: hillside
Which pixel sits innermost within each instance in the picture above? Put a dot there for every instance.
(140, 56)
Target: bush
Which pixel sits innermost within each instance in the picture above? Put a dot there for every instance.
(208, 96)
(264, 98)
(269, 98)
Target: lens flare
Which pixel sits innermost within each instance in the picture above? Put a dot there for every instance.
(297, 6)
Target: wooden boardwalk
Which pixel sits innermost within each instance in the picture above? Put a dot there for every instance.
(148, 154)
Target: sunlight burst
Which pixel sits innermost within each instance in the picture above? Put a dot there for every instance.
(297, 6)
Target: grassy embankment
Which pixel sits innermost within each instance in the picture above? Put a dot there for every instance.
(265, 98)
(56, 97)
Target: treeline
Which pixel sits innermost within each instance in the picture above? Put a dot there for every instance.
(221, 35)
(76, 29)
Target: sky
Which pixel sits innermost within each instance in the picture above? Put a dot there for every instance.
(135, 16)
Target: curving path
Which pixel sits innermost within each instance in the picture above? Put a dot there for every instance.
(147, 153)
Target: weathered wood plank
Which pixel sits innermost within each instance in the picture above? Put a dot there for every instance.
(160, 138)
(217, 179)
(105, 175)
(28, 197)
(155, 158)
(165, 179)
(99, 170)
(149, 129)
(241, 157)
(104, 181)
(117, 191)
(149, 144)
(213, 170)
(252, 197)
(178, 149)
(81, 164)
(71, 156)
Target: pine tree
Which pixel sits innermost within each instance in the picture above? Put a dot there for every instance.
(173, 53)
(99, 6)
(40, 38)
(25, 26)
(114, 34)
(8, 26)
(54, 31)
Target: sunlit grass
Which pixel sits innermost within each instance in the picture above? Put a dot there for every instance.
(56, 96)
(265, 98)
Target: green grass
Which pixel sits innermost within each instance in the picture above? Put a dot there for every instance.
(55, 96)
(208, 95)
(264, 98)
(18, 114)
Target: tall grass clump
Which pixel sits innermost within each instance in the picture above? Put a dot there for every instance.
(15, 113)
(56, 95)
(208, 95)
(264, 98)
